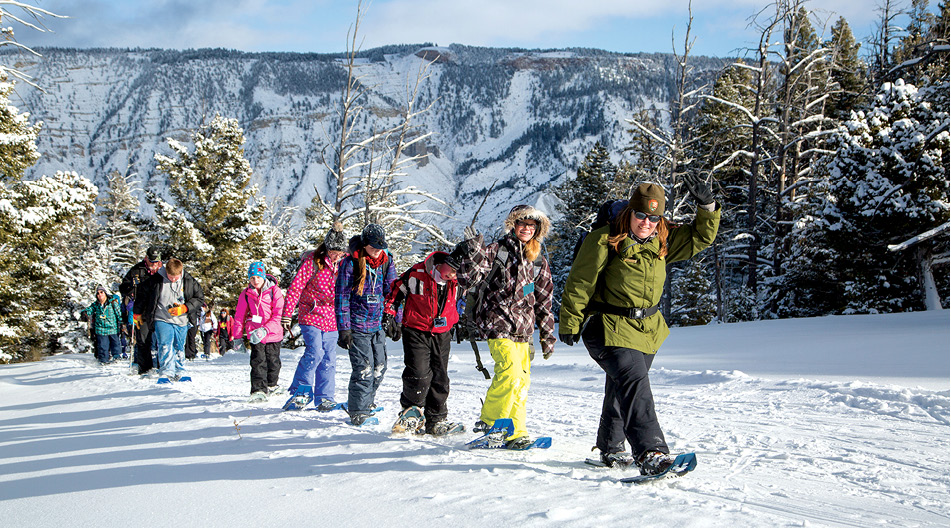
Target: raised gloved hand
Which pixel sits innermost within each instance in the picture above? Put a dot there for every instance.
(286, 323)
(257, 335)
(469, 233)
(699, 189)
(392, 328)
(177, 309)
(345, 339)
(569, 339)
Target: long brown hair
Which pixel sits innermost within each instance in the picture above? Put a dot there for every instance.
(622, 226)
(319, 255)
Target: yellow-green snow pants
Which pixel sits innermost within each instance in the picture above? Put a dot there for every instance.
(508, 392)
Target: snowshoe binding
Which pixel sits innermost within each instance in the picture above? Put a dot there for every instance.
(410, 420)
(301, 398)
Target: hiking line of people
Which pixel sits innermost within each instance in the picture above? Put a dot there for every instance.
(347, 294)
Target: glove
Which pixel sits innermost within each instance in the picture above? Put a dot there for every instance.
(469, 233)
(547, 350)
(257, 335)
(569, 339)
(392, 328)
(137, 320)
(286, 323)
(699, 189)
(345, 339)
(177, 310)
(92, 333)
(124, 329)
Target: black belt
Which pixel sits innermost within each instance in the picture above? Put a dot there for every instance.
(630, 313)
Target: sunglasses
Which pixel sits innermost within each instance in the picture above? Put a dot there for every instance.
(526, 225)
(653, 218)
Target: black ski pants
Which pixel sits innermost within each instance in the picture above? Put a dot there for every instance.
(426, 374)
(191, 347)
(628, 408)
(143, 348)
(265, 366)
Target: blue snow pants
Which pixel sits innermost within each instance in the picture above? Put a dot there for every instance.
(318, 366)
(107, 347)
(168, 344)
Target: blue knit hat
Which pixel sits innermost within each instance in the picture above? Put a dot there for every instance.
(256, 270)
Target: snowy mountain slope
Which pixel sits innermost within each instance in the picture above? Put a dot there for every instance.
(522, 118)
(83, 445)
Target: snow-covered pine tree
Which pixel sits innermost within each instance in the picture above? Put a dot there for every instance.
(692, 294)
(120, 234)
(849, 72)
(579, 199)
(216, 225)
(886, 182)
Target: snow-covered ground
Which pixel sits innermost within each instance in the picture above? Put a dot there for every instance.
(836, 421)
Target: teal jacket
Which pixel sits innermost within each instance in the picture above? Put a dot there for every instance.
(106, 318)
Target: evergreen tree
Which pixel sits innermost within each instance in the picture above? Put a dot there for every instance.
(848, 71)
(216, 225)
(692, 294)
(886, 182)
(579, 199)
(119, 209)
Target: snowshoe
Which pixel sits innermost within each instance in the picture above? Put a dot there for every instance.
(611, 460)
(163, 380)
(185, 378)
(519, 444)
(654, 463)
(327, 405)
(495, 436)
(444, 428)
(362, 419)
(258, 397)
(679, 467)
(301, 398)
(410, 420)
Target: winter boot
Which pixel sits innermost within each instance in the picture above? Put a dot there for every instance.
(617, 460)
(411, 420)
(326, 405)
(359, 419)
(654, 462)
(444, 427)
(519, 444)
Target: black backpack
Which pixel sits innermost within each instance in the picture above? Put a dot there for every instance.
(607, 214)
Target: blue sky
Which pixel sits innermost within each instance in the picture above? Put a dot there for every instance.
(721, 27)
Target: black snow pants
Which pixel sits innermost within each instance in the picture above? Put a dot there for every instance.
(426, 374)
(265, 366)
(628, 408)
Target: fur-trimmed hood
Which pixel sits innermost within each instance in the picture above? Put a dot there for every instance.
(522, 212)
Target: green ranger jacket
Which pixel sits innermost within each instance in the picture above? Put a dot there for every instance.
(633, 278)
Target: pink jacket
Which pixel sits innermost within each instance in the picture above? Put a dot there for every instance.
(254, 311)
(316, 295)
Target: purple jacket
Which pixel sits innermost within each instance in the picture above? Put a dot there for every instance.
(359, 312)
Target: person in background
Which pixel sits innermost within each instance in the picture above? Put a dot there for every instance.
(518, 297)
(311, 293)
(150, 264)
(258, 314)
(162, 305)
(207, 325)
(611, 302)
(223, 332)
(105, 316)
(364, 280)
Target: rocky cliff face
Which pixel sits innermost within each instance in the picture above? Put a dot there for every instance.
(521, 119)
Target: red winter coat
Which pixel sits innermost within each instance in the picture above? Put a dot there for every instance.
(418, 289)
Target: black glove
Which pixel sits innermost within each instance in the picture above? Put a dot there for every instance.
(569, 339)
(345, 339)
(392, 328)
(699, 189)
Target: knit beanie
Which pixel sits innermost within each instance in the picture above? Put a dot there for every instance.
(373, 236)
(336, 240)
(256, 270)
(648, 198)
